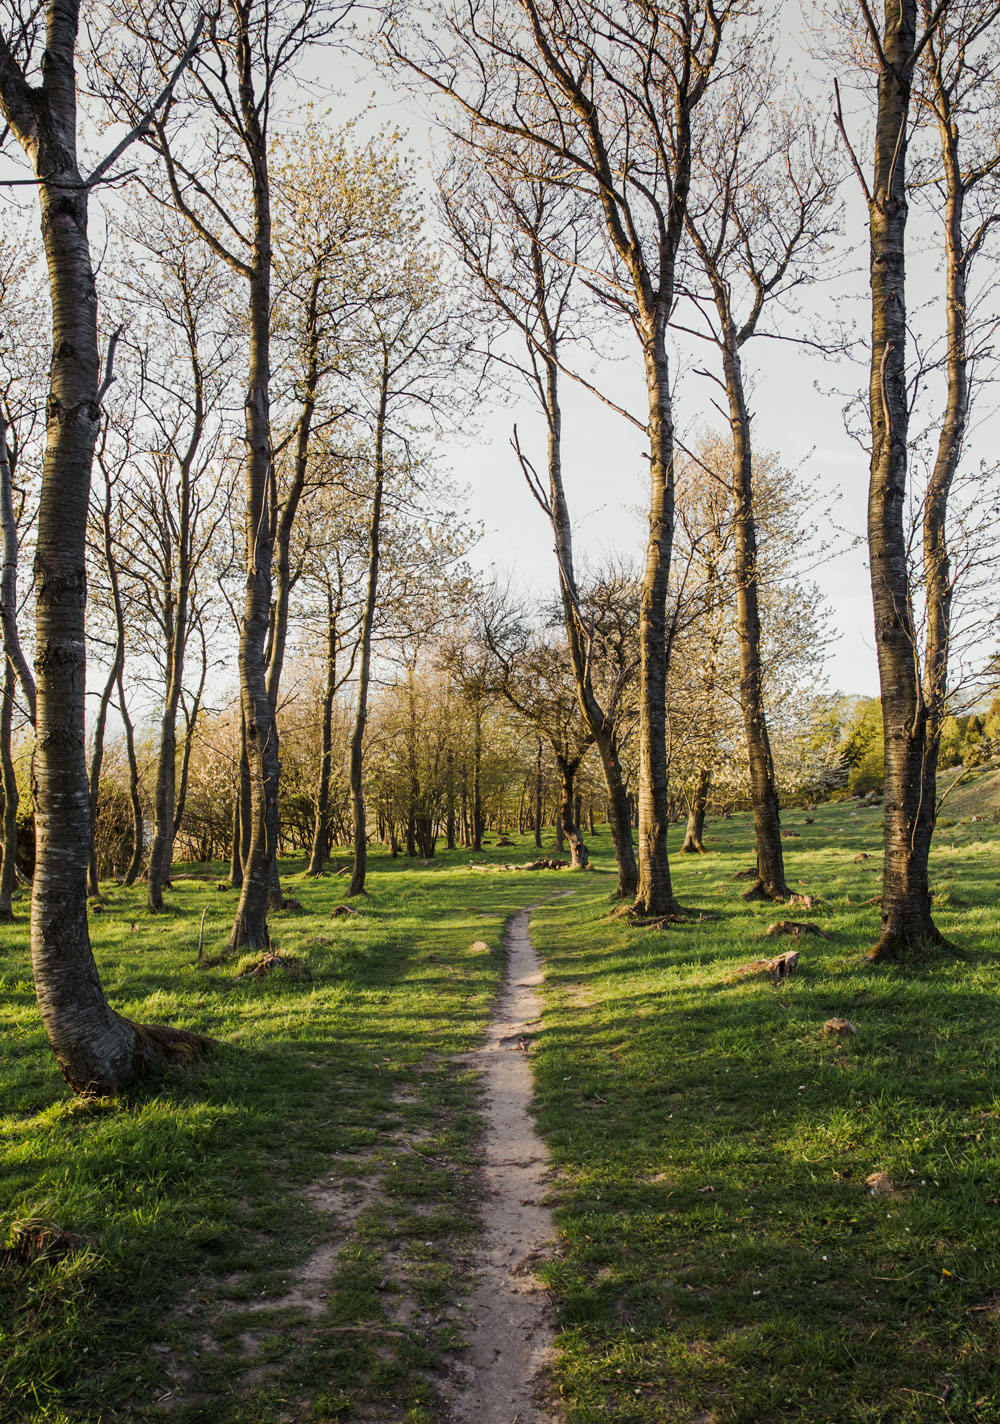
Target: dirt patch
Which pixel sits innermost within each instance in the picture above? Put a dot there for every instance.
(501, 1377)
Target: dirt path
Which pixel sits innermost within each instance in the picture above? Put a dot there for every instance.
(501, 1377)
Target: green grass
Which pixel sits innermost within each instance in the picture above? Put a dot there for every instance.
(721, 1256)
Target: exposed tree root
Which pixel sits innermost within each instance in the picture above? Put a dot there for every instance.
(796, 928)
(157, 1044)
(761, 891)
(892, 947)
(775, 969)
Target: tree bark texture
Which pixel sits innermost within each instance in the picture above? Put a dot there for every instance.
(600, 720)
(359, 872)
(250, 925)
(770, 882)
(907, 925)
(135, 801)
(693, 843)
(8, 848)
(321, 827)
(97, 1050)
(8, 578)
(579, 855)
(655, 895)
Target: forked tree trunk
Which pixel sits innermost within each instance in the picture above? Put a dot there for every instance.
(166, 766)
(600, 720)
(907, 925)
(937, 563)
(357, 885)
(569, 817)
(135, 801)
(693, 842)
(190, 726)
(97, 1050)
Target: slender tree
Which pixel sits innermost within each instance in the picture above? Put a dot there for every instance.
(594, 86)
(97, 1049)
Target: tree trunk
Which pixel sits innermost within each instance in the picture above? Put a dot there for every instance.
(166, 766)
(8, 578)
(450, 812)
(116, 671)
(696, 814)
(250, 925)
(8, 855)
(138, 845)
(477, 766)
(770, 882)
(321, 826)
(907, 925)
(569, 815)
(937, 563)
(601, 720)
(357, 885)
(655, 895)
(97, 1050)
(538, 795)
(190, 726)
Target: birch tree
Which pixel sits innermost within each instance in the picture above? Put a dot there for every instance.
(97, 1049)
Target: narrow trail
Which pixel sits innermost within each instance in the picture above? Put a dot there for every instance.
(501, 1379)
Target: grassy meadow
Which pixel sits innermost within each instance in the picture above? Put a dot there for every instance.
(286, 1233)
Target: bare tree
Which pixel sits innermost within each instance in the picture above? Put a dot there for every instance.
(217, 173)
(951, 47)
(611, 93)
(519, 237)
(97, 1050)
(759, 218)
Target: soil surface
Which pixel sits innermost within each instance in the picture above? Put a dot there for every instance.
(502, 1376)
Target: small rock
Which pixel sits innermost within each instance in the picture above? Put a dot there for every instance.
(841, 1028)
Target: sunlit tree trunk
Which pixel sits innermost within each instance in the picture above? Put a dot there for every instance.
(770, 882)
(696, 813)
(321, 826)
(907, 925)
(357, 884)
(250, 925)
(135, 801)
(655, 895)
(97, 1050)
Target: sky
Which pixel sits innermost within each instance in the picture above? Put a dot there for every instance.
(797, 413)
(797, 402)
